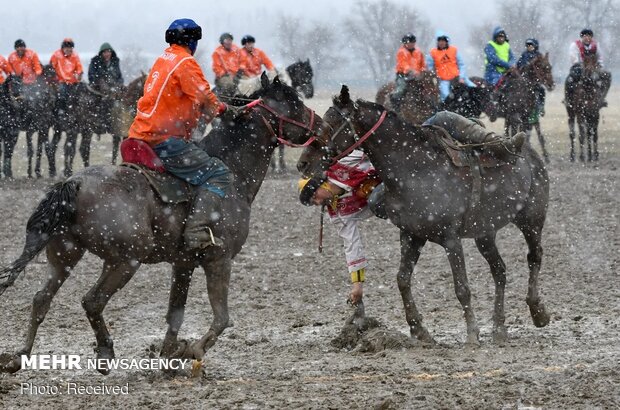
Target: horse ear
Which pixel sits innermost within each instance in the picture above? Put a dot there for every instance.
(308, 61)
(276, 79)
(547, 55)
(264, 80)
(345, 97)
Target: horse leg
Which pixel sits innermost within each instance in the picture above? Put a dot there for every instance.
(85, 148)
(10, 140)
(51, 152)
(70, 144)
(42, 141)
(571, 134)
(116, 141)
(582, 137)
(541, 140)
(454, 250)
(62, 256)
(282, 164)
(531, 227)
(410, 248)
(113, 278)
(181, 279)
(488, 249)
(589, 138)
(595, 137)
(218, 279)
(29, 151)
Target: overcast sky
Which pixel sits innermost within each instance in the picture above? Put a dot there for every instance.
(128, 23)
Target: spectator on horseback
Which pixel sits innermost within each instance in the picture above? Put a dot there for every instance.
(252, 59)
(106, 79)
(104, 70)
(345, 193)
(409, 63)
(448, 65)
(531, 52)
(176, 94)
(69, 71)
(225, 64)
(586, 45)
(25, 63)
(5, 69)
(499, 57)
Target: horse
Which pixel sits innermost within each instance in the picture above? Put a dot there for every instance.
(583, 105)
(10, 96)
(468, 101)
(112, 212)
(519, 90)
(115, 119)
(420, 100)
(429, 199)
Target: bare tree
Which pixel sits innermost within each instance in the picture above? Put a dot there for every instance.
(314, 41)
(374, 31)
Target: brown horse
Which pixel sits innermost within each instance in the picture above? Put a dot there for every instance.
(114, 213)
(419, 101)
(519, 95)
(429, 199)
(583, 105)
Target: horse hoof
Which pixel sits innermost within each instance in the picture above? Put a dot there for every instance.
(10, 363)
(103, 354)
(540, 317)
(472, 341)
(500, 336)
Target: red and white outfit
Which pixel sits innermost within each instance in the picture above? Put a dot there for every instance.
(577, 49)
(349, 173)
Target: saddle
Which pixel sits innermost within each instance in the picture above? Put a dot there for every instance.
(138, 155)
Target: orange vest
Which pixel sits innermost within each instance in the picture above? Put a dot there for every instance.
(225, 61)
(251, 63)
(68, 68)
(4, 68)
(445, 63)
(28, 66)
(176, 93)
(409, 61)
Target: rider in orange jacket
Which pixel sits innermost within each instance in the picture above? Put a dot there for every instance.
(409, 63)
(5, 69)
(25, 63)
(252, 59)
(225, 64)
(176, 94)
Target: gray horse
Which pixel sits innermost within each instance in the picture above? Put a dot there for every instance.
(113, 213)
(430, 199)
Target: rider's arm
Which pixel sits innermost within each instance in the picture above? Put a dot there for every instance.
(38, 69)
(402, 62)
(430, 62)
(420, 62)
(266, 61)
(492, 57)
(217, 65)
(92, 79)
(460, 63)
(573, 54)
(195, 85)
(511, 58)
(599, 55)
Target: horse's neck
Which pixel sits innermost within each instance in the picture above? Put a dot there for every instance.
(247, 154)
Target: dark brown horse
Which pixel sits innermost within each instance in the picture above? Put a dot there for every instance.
(113, 213)
(519, 95)
(429, 199)
(419, 101)
(583, 105)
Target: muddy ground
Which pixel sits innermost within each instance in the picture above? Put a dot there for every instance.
(287, 303)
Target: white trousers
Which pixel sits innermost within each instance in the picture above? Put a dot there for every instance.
(351, 234)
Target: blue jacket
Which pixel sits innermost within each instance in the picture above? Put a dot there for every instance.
(528, 56)
(491, 75)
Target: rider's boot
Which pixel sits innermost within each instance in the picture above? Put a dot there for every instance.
(376, 201)
(205, 214)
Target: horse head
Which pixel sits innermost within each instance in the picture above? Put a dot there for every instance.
(281, 107)
(336, 134)
(301, 74)
(539, 69)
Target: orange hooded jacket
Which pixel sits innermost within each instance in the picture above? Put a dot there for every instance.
(68, 68)
(176, 93)
(409, 61)
(251, 63)
(225, 61)
(5, 69)
(28, 66)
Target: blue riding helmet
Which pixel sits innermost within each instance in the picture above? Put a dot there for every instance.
(184, 32)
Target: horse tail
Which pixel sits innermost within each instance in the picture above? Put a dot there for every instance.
(51, 217)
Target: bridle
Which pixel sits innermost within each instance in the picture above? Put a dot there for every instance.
(310, 134)
(358, 140)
